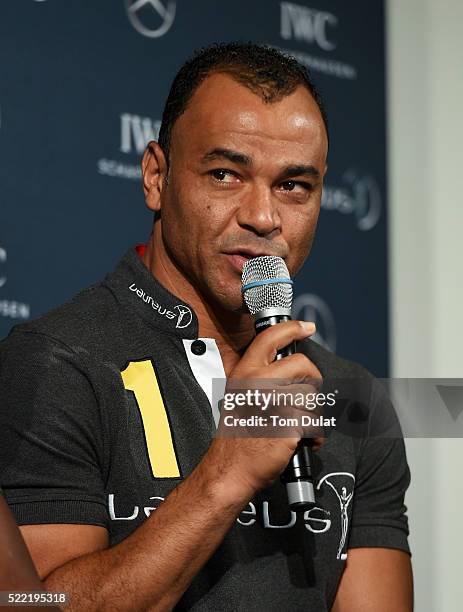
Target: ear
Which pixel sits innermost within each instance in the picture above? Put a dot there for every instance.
(323, 175)
(154, 171)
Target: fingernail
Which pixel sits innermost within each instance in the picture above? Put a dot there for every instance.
(308, 326)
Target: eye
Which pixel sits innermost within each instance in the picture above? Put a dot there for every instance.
(223, 176)
(295, 186)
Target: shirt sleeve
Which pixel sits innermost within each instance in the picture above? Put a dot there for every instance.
(379, 513)
(51, 434)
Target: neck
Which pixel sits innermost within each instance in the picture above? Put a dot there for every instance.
(232, 331)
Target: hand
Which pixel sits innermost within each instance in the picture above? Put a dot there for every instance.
(248, 463)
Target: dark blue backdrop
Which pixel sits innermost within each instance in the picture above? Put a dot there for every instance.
(82, 86)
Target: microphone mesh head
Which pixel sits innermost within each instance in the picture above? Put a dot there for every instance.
(275, 295)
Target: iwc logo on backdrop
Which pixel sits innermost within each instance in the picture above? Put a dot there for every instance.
(309, 25)
(314, 28)
(10, 308)
(311, 307)
(135, 132)
(360, 197)
(151, 18)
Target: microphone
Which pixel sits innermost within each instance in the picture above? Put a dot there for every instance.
(268, 294)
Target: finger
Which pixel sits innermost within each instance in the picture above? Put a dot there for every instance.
(264, 347)
(295, 368)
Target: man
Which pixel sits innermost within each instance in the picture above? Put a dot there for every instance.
(126, 500)
(17, 572)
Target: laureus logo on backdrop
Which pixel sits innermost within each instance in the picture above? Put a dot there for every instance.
(10, 308)
(311, 307)
(359, 197)
(135, 132)
(151, 18)
(314, 28)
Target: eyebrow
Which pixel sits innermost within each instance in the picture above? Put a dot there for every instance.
(233, 156)
(244, 160)
(300, 170)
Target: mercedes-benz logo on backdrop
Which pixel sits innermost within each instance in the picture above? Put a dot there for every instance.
(151, 18)
(310, 307)
(2, 260)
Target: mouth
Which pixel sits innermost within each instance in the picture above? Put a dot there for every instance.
(239, 257)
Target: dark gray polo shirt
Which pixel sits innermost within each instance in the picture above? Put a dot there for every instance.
(105, 406)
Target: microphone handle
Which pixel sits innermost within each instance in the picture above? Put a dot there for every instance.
(297, 475)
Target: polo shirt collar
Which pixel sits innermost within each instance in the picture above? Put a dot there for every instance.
(136, 288)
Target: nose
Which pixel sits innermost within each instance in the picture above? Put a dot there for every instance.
(258, 211)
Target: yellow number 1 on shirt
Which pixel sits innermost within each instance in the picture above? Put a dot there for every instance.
(140, 377)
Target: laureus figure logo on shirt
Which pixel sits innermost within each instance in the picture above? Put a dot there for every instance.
(344, 490)
(180, 312)
(184, 316)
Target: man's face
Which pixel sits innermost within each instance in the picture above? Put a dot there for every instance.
(245, 179)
